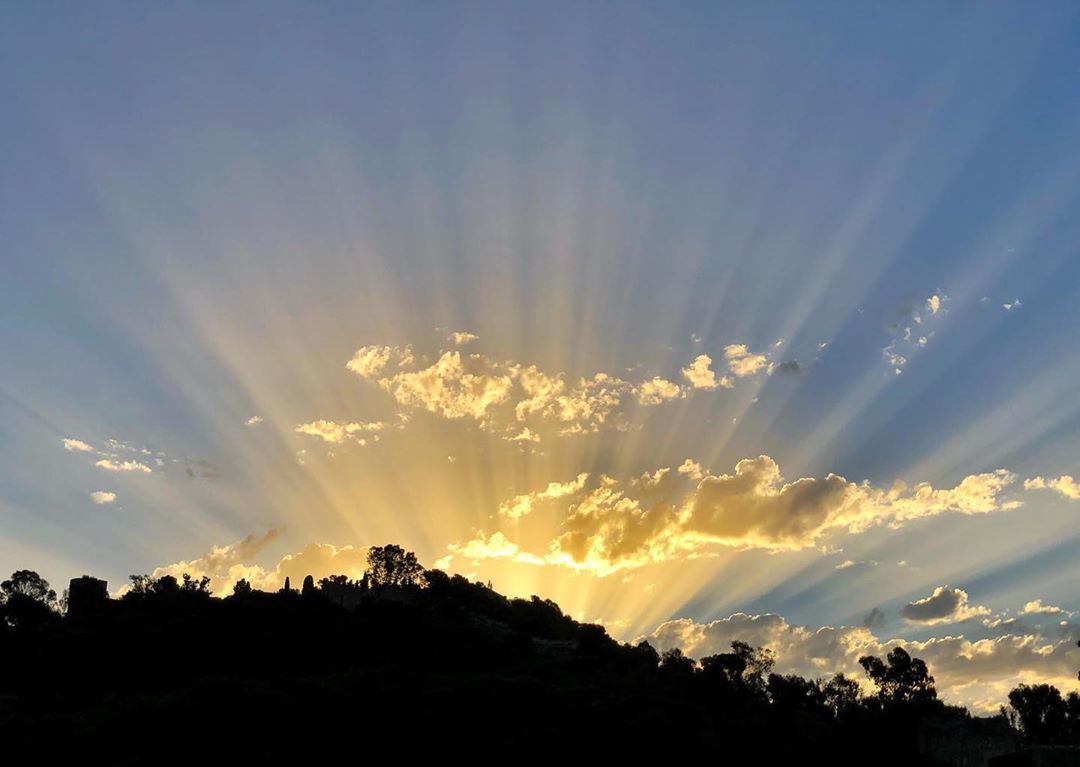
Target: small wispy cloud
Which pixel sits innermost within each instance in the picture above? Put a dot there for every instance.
(102, 497)
(112, 465)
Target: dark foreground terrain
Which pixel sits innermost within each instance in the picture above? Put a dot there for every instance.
(413, 663)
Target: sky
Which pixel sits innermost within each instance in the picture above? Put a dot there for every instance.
(708, 321)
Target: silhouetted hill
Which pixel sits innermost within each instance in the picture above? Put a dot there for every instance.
(424, 664)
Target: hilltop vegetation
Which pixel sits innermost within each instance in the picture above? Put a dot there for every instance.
(424, 662)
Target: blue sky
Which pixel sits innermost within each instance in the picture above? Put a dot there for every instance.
(207, 211)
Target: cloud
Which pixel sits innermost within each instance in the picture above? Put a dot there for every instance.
(975, 673)
(255, 420)
(77, 446)
(507, 397)
(102, 497)
(945, 605)
(1065, 485)
(741, 362)
(461, 338)
(1014, 305)
(701, 375)
(607, 525)
(336, 433)
(657, 390)
(370, 361)
(114, 465)
(874, 619)
(522, 505)
(1036, 607)
(906, 340)
(789, 367)
(847, 564)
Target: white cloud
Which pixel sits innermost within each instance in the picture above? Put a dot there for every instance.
(1014, 305)
(1065, 485)
(102, 497)
(255, 420)
(507, 396)
(77, 446)
(701, 375)
(1036, 607)
(741, 362)
(114, 465)
(657, 390)
(462, 338)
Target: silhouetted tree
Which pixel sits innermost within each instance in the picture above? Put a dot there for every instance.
(391, 565)
(308, 589)
(242, 588)
(200, 587)
(27, 583)
(674, 664)
(1041, 714)
(744, 668)
(903, 679)
(27, 600)
(792, 692)
(841, 695)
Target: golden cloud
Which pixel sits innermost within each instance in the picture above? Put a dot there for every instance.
(610, 525)
(1065, 485)
(507, 397)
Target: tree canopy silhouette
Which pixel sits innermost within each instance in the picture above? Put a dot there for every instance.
(391, 565)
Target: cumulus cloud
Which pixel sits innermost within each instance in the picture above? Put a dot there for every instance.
(110, 464)
(1065, 485)
(102, 497)
(742, 362)
(255, 420)
(607, 525)
(945, 605)
(77, 446)
(507, 397)
(227, 564)
(975, 673)
(371, 361)
(657, 390)
(462, 338)
(1036, 607)
(701, 375)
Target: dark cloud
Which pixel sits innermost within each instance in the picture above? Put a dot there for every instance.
(874, 619)
(945, 605)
